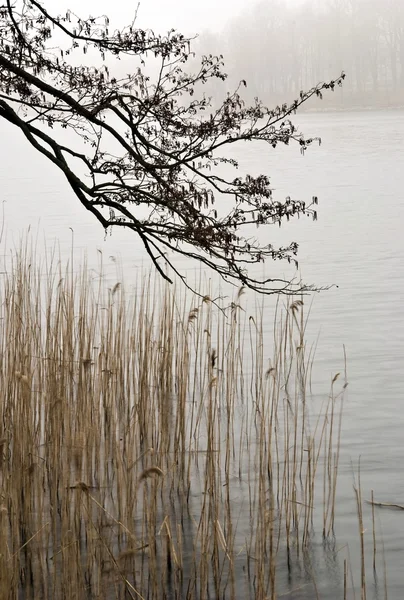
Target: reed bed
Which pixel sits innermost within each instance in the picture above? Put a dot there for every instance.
(149, 448)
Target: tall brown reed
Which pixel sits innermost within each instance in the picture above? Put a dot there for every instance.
(151, 445)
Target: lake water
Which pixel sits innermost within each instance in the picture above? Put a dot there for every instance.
(357, 244)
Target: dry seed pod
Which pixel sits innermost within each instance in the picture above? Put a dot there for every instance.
(149, 472)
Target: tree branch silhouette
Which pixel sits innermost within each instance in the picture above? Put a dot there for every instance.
(151, 149)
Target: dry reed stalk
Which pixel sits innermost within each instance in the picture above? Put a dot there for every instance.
(345, 579)
(111, 395)
(359, 506)
(373, 532)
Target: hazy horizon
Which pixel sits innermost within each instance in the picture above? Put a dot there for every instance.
(189, 17)
(283, 46)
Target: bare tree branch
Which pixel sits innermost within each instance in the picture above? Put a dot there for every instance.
(162, 180)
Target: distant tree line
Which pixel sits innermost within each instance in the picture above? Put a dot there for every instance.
(282, 49)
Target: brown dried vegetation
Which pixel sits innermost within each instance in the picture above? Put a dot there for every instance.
(147, 450)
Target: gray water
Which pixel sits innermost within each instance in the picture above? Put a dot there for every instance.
(357, 244)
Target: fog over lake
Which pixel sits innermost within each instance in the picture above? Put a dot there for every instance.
(354, 251)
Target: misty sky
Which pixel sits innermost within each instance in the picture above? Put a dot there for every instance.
(188, 16)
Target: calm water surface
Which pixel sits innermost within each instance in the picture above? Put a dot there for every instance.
(357, 244)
